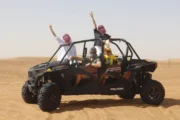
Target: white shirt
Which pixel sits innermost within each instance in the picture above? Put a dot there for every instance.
(64, 49)
(98, 48)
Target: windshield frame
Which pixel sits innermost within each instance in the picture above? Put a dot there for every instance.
(129, 46)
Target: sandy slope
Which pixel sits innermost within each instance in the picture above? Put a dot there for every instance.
(13, 73)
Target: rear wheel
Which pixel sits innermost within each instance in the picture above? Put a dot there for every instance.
(152, 92)
(27, 96)
(49, 97)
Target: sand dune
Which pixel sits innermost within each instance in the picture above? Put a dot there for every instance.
(13, 74)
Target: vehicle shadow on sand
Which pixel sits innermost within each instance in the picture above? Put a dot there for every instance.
(105, 103)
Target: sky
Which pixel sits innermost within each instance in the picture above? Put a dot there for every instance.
(151, 26)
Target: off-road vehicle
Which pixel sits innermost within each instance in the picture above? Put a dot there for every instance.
(48, 81)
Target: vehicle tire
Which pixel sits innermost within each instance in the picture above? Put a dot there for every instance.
(27, 96)
(152, 92)
(49, 97)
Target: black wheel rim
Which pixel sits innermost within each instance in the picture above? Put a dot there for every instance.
(154, 93)
(30, 94)
(53, 98)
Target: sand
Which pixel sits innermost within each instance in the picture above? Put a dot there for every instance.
(13, 74)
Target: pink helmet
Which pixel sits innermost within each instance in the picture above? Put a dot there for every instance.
(101, 29)
(66, 38)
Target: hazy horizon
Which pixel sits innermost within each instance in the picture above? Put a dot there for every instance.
(152, 27)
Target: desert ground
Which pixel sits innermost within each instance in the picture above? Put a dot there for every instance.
(13, 74)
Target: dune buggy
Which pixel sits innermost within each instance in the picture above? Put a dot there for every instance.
(48, 81)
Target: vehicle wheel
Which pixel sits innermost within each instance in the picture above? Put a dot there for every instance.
(152, 92)
(49, 97)
(27, 96)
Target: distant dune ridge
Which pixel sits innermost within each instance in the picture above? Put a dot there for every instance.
(13, 74)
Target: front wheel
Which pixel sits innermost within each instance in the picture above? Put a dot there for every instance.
(28, 96)
(152, 92)
(49, 97)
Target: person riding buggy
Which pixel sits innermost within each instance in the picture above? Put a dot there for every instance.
(92, 63)
(110, 59)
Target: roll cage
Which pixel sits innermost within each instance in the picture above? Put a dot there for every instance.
(112, 41)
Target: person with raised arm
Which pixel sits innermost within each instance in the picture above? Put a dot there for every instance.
(99, 33)
(66, 39)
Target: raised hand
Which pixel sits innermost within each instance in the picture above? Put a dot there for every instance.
(91, 14)
(94, 22)
(52, 31)
(50, 26)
